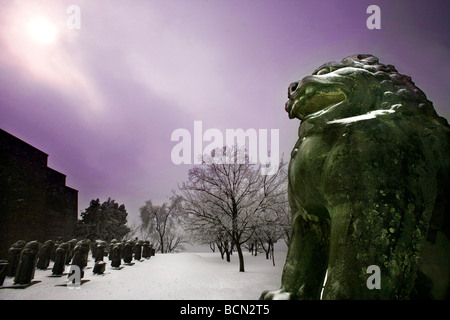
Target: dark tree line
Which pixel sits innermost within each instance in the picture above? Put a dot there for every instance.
(104, 221)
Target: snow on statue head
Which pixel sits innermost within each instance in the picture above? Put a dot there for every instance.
(368, 183)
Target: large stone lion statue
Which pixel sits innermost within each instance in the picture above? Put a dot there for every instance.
(369, 187)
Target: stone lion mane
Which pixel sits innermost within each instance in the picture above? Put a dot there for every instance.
(396, 87)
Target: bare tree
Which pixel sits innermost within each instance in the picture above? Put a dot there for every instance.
(162, 224)
(227, 192)
(203, 231)
(268, 232)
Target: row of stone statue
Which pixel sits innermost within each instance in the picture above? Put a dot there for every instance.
(25, 257)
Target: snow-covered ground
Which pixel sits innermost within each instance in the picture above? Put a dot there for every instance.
(177, 276)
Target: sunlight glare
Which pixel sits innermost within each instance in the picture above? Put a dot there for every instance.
(43, 31)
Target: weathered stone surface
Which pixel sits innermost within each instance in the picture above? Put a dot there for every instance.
(72, 243)
(3, 267)
(53, 252)
(137, 249)
(27, 263)
(369, 182)
(116, 254)
(45, 254)
(14, 257)
(128, 251)
(146, 250)
(99, 267)
(100, 247)
(81, 254)
(60, 258)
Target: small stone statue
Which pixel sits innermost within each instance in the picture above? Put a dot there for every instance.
(80, 255)
(86, 245)
(116, 255)
(128, 251)
(99, 267)
(93, 248)
(14, 257)
(137, 250)
(44, 254)
(60, 258)
(146, 250)
(99, 250)
(72, 243)
(27, 263)
(112, 243)
(3, 267)
(53, 252)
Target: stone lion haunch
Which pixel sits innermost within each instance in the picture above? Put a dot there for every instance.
(369, 181)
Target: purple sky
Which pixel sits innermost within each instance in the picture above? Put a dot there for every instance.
(103, 101)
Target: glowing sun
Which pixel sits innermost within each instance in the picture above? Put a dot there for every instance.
(42, 30)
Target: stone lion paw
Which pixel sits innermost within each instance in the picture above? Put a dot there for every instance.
(275, 295)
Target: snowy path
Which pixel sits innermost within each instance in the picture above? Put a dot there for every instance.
(196, 276)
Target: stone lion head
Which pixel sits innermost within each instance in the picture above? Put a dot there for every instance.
(356, 88)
